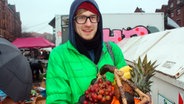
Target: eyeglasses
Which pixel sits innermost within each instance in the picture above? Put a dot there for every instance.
(83, 19)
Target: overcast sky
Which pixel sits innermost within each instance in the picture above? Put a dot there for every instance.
(36, 14)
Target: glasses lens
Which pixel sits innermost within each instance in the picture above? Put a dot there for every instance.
(80, 19)
(93, 18)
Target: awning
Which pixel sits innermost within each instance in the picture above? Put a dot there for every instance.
(33, 42)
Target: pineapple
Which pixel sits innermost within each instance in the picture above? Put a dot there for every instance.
(141, 73)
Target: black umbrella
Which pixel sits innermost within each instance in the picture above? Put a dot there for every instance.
(15, 72)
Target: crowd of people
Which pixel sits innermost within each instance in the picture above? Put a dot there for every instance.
(38, 61)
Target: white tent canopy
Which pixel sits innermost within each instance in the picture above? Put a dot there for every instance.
(167, 47)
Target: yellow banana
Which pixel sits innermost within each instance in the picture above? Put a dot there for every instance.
(127, 75)
(126, 71)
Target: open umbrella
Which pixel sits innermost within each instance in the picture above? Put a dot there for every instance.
(15, 72)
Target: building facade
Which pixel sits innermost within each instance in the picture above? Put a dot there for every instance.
(174, 10)
(10, 23)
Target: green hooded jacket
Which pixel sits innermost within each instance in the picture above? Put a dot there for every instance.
(69, 73)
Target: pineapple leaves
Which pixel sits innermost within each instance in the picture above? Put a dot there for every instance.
(142, 72)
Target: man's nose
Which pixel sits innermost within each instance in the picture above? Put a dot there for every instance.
(88, 21)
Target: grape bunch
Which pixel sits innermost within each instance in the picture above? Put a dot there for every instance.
(101, 92)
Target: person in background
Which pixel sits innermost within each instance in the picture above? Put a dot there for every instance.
(73, 65)
(37, 69)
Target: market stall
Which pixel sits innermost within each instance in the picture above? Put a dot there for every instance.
(36, 51)
(33, 48)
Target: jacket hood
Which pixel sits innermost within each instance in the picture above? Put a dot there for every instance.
(73, 8)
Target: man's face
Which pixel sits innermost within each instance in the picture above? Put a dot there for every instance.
(88, 29)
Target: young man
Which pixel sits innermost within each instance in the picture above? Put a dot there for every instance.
(73, 65)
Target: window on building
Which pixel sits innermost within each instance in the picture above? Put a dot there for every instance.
(171, 6)
(178, 12)
(178, 1)
(172, 14)
(178, 21)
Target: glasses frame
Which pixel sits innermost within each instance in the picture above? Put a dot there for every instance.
(86, 18)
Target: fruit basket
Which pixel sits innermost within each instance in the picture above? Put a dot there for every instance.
(131, 85)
